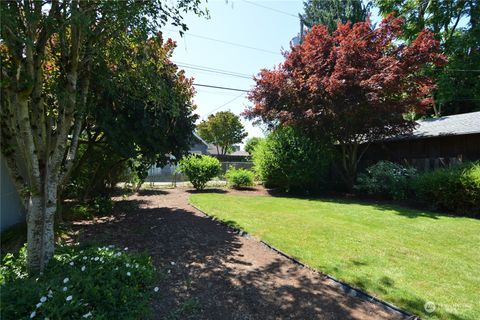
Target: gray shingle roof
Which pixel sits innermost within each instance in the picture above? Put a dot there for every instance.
(459, 124)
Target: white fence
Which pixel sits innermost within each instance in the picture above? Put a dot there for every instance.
(169, 172)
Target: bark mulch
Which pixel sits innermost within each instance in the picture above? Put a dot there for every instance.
(212, 272)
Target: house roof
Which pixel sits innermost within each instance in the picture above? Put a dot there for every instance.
(199, 139)
(454, 125)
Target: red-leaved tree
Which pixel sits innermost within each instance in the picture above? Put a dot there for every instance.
(354, 85)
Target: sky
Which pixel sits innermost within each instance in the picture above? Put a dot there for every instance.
(266, 26)
(239, 22)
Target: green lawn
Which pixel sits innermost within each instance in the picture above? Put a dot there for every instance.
(404, 256)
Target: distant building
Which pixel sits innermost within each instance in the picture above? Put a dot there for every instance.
(434, 143)
(236, 156)
(167, 173)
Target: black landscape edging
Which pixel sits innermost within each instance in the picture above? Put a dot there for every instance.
(345, 287)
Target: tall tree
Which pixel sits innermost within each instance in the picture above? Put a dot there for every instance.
(48, 49)
(223, 129)
(128, 123)
(456, 24)
(332, 12)
(354, 86)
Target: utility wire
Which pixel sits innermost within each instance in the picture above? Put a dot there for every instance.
(221, 72)
(228, 42)
(223, 105)
(219, 87)
(271, 9)
(211, 68)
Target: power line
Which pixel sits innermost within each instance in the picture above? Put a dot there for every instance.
(219, 87)
(223, 105)
(271, 9)
(213, 70)
(228, 42)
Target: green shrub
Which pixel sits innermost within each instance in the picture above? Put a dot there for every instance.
(96, 283)
(239, 178)
(200, 169)
(78, 212)
(386, 178)
(99, 206)
(455, 189)
(102, 205)
(292, 160)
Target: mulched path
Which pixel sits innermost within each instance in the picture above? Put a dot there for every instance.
(214, 273)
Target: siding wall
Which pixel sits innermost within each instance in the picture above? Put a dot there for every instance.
(11, 210)
(426, 153)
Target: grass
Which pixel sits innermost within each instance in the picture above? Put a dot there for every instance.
(404, 256)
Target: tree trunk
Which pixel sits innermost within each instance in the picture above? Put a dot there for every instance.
(40, 224)
(351, 157)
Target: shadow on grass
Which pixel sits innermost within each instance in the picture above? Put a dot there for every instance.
(207, 190)
(409, 209)
(406, 300)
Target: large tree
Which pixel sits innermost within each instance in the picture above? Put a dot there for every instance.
(456, 24)
(354, 85)
(223, 129)
(48, 49)
(129, 125)
(332, 12)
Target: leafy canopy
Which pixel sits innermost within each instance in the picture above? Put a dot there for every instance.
(143, 102)
(332, 12)
(353, 86)
(456, 24)
(223, 129)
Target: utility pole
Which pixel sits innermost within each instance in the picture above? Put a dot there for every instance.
(301, 28)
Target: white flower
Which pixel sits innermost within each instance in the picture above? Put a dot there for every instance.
(43, 299)
(126, 248)
(81, 251)
(66, 280)
(50, 293)
(116, 268)
(65, 289)
(97, 258)
(172, 263)
(71, 263)
(33, 314)
(39, 305)
(127, 265)
(155, 289)
(84, 258)
(87, 315)
(129, 274)
(136, 265)
(69, 298)
(83, 268)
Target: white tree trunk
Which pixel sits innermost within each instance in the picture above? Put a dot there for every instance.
(40, 224)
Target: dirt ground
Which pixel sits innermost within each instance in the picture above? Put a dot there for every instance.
(212, 272)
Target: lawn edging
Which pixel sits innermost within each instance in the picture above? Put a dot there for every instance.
(345, 287)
